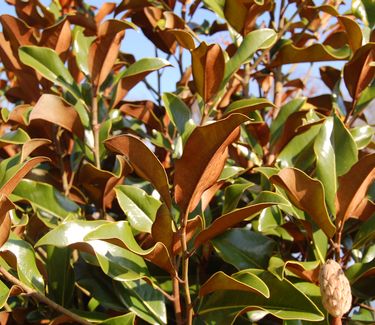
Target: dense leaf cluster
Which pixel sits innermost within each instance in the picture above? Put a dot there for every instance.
(216, 203)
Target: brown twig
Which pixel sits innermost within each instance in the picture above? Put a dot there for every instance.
(177, 300)
(41, 298)
(185, 269)
(367, 307)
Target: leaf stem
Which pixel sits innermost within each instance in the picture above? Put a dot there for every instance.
(96, 128)
(185, 270)
(176, 300)
(40, 297)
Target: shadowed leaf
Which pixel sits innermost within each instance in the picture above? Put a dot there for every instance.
(227, 221)
(53, 109)
(241, 281)
(244, 248)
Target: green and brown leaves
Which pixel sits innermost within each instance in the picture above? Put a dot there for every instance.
(193, 176)
(143, 161)
(358, 72)
(307, 194)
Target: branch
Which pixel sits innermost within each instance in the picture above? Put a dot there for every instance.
(185, 269)
(38, 296)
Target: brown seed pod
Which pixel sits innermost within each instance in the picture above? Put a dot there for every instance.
(335, 289)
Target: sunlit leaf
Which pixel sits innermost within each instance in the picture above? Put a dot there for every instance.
(223, 307)
(27, 269)
(240, 281)
(208, 69)
(139, 207)
(307, 194)
(193, 176)
(144, 162)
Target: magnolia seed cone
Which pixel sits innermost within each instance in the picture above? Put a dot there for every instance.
(335, 289)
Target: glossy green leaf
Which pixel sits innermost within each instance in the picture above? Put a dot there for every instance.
(244, 248)
(27, 270)
(326, 163)
(299, 151)
(127, 319)
(259, 39)
(223, 307)
(143, 66)
(362, 135)
(104, 133)
(358, 270)
(117, 262)
(180, 114)
(232, 196)
(47, 62)
(81, 46)
(49, 65)
(247, 105)
(69, 233)
(139, 207)
(281, 269)
(370, 9)
(270, 221)
(46, 198)
(142, 299)
(220, 225)
(121, 230)
(99, 285)
(12, 171)
(240, 281)
(216, 6)
(18, 136)
(4, 294)
(361, 276)
(60, 275)
(346, 152)
(285, 111)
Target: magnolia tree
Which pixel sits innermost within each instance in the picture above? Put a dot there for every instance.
(219, 202)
